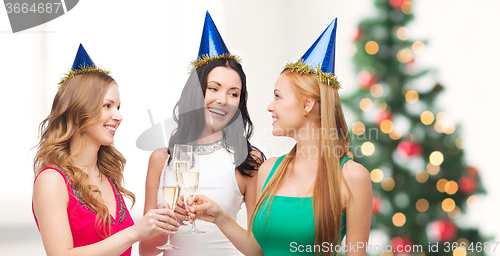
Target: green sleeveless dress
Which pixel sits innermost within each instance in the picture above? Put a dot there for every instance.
(288, 229)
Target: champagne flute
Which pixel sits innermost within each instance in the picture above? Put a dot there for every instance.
(191, 178)
(170, 191)
(181, 159)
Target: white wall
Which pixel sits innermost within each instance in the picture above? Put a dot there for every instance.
(148, 45)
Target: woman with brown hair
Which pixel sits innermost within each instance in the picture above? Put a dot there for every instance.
(309, 198)
(77, 195)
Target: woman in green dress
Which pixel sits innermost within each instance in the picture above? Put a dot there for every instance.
(311, 197)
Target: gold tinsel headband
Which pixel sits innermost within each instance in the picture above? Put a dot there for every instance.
(304, 69)
(80, 71)
(208, 58)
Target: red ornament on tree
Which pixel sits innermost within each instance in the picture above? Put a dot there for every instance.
(376, 205)
(386, 115)
(406, 148)
(467, 185)
(396, 4)
(401, 245)
(358, 34)
(443, 230)
(472, 171)
(366, 79)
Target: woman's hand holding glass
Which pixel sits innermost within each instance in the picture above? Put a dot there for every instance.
(203, 208)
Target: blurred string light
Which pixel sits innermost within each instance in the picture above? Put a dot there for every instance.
(371, 47)
(455, 213)
(377, 175)
(441, 184)
(386, 126)
(358, 128)
(422, 176)
(396, 133)
(432, 169)
(422, 205)
(405, 55)
(382, 105)
(367, 148)
(388, 184)
(472, 201)
(411, 96)
(376, 90)
(458, 142)
(354, 49)
(448, 205)
(366, 104)
(451, 187)
(427, 117)
(399, 219)
(406, 7)
(418, 47)
(403, 33)
(444, 124)
(436, 158)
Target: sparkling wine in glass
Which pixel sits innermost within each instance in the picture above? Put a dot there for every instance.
(191, 178)
(170, 193)
(181, 161)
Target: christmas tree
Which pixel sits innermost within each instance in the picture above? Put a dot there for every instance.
(422, 184)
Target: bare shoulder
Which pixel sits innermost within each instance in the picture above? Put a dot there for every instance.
(49, 178)
(355, 171)
(356, 175)
(159, 155)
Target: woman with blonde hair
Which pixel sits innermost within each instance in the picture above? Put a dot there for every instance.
(311, 197)
(77, 194)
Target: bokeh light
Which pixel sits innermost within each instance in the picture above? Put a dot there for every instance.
(377, 175)
(358, 128)
(436, 158)
(396, 133)
(455, 213)
(377, 90)
(459, 142)
(472, 201)
(367, 148)
(433, 169)
(366, 104)
(422, 205)
(441, 184)
(399, 219)
(405, 55)
(406, 7)
(411, 96)
(386, 126)
(418, 47)
(388, 184)
(427, 117)
(403, 33)
(448, 205)
(422, 176)
(451, 187)
(371, 47)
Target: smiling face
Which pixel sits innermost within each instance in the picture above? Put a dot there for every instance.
(286, 112)
(103, 131)
(222, 97)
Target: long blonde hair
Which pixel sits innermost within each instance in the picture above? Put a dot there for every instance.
(335, 145)
(77, 106)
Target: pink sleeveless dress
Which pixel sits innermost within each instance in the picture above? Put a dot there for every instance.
(82, 217)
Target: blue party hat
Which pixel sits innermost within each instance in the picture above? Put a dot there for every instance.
(83, 64)
(320, 58)
(212, 47)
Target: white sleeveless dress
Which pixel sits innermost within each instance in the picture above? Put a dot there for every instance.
(217, 182)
